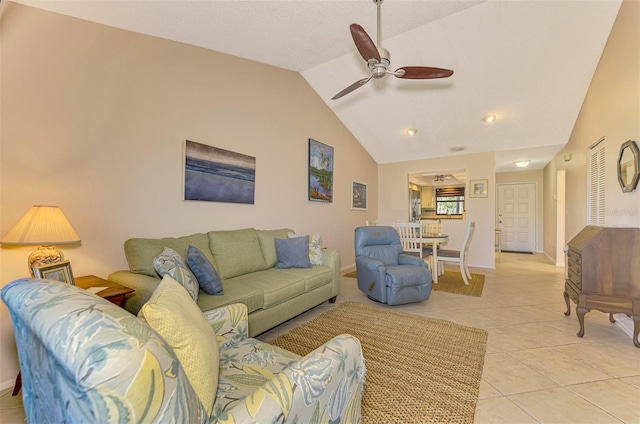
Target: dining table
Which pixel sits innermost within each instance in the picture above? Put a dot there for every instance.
(434, 239)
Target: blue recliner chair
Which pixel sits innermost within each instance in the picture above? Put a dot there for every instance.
(385, 274)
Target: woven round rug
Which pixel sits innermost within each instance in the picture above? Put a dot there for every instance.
(419, 370)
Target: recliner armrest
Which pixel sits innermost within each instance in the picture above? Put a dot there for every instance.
(329, 381)
(371, 277)
(230, 323)
(405, 259)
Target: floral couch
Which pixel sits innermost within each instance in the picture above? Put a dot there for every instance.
(84, 359)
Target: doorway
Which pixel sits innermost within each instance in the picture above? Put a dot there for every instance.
(517, 216)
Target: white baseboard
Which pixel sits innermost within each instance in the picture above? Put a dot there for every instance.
(7, 385)
(552, 260)
(347, 268)
(626, 323)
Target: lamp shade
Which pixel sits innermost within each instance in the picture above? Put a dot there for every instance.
(42, 225)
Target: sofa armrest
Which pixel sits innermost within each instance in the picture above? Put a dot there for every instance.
(324, 386)
(143, 285)
(332, 259)
(230, 323)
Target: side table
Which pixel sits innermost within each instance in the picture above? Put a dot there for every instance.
(114, 293)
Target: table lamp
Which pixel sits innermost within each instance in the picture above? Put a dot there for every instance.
(45, 226)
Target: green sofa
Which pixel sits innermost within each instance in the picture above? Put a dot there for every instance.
(245, 261)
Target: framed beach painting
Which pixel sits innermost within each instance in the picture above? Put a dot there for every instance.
(320, 171)
(358, 196)
(212, 174)
(478, 188)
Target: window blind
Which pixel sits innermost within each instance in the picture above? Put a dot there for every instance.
(449, 191)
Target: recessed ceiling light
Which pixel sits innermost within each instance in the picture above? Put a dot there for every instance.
(522, 163)
(410, 131)
(489, 118)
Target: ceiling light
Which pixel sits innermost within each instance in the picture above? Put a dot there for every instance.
(522, 163)
(410, 131)
(489, 118)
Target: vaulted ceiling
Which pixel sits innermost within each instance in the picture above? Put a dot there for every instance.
(528, 62)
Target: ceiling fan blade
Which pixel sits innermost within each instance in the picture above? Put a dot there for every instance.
(423, 72)
(352, 87)
(363, 42)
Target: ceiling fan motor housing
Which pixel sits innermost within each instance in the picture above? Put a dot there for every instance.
(379, 69)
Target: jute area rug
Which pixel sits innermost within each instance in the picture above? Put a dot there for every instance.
(451, 282)
(419, 370)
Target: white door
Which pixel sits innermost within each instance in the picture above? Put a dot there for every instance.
(517, 216)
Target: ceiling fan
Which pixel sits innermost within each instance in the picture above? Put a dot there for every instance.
(379, 58)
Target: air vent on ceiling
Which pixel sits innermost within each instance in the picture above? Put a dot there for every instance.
(458, 149)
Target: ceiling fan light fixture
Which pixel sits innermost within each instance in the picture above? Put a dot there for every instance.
(489, 118)
(410, 131)
(522, 163)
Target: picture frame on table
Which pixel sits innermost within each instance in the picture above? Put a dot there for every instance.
(478, 188)
(358, 196)
(59, 271)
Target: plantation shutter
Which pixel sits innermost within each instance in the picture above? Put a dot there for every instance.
(450, 191)
(596, 212)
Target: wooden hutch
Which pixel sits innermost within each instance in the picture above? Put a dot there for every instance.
(604, 274)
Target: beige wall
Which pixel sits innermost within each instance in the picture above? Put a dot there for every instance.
(535, 176)
(611, 109)
(393, 195)
(94, 120)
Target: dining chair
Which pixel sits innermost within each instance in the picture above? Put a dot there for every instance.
(460, 256)
(431, 226)
(410, 237)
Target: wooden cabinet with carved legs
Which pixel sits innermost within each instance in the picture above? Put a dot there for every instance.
(603, 273)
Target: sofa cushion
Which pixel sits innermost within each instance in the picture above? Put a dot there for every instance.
(206, 274)
(268, 246)
(140, 252)
(313, 277)
(249, 295)
(293, 252)
(169, 262)
(315, 247)
(236, 252)
(173, 314)
(274, 285)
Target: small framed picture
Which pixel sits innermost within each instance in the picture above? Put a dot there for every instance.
(478, 188)
(60, 271)
(358, 196)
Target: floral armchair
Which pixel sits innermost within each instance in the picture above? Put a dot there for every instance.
(84, 359)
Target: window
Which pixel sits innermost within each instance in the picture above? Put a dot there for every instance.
(596, 211)
(450, 201)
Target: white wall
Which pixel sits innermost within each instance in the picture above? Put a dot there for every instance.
(94, 119)
(393, 197)
(611, 109)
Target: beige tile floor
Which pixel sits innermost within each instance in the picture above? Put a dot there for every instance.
(536, 370)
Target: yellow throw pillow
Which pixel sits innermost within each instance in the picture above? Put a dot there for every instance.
(173, 314)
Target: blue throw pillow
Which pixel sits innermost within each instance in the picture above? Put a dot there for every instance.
(293, 252)
(205, 272)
